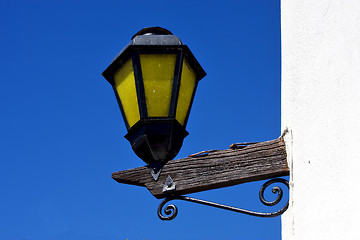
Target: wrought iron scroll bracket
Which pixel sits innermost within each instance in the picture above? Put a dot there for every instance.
(171, 210)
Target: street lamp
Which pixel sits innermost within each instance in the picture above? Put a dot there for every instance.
(154, 79)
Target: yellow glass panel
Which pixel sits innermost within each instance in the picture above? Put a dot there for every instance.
(125, 86)
(187, 86)
(158, 75)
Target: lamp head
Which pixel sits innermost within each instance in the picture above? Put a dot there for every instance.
(154, 79)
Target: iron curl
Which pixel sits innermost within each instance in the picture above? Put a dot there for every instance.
(172, 211)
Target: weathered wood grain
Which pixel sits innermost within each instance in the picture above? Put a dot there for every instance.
(217, 169)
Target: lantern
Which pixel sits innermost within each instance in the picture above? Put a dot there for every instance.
(154, 79)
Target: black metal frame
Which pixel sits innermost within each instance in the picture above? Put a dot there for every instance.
(139, 85)
(172, 211)
(133, 52)
(176, 84)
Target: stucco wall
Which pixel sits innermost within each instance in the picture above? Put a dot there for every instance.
(321, 108)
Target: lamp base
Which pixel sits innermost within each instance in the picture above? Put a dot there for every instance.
(156, 141)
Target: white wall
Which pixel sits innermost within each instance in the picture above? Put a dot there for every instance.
(321, 108)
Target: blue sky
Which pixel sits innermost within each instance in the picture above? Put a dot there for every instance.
(62, 131)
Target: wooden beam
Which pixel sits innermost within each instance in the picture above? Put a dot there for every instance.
(215, 169)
